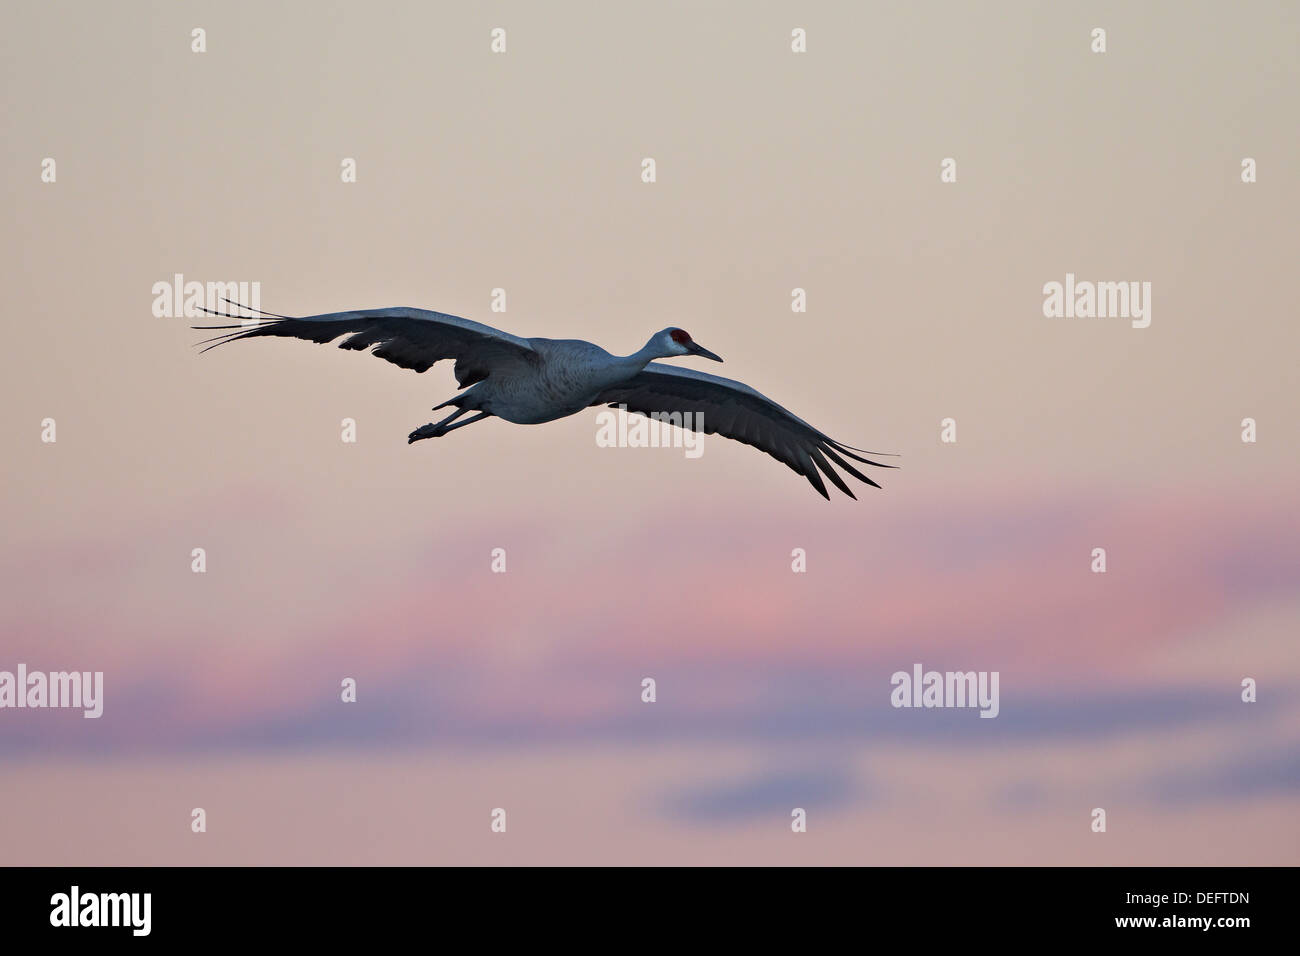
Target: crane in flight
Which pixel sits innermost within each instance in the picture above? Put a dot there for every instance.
(535, 380)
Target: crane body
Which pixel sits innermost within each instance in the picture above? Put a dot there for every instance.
(528, 381)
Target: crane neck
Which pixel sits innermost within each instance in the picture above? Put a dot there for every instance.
(641, 357)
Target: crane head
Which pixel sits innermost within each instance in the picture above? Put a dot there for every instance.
(675, 341)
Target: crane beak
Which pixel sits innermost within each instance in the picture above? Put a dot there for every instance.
(703, 352)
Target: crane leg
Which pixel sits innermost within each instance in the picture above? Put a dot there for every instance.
(438, 429)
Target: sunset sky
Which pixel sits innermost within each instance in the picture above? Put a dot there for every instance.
(522, 690)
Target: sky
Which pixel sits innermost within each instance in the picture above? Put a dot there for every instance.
(373, 560)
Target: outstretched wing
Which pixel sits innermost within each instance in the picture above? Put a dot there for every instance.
(410, 338)
(734, 410)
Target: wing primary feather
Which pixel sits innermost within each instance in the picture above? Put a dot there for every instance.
(249, 308)
(231, 315)
(830, 452)
(831, 473)
(811, 473)
(844, 449)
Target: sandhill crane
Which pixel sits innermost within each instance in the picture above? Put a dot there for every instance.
(534, 380)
